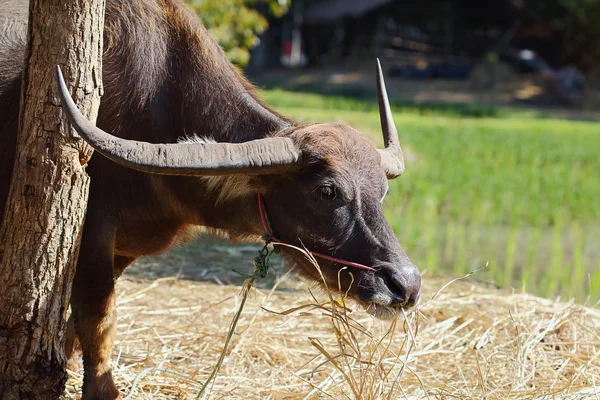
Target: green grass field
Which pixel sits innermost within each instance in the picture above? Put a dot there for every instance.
(485, 185)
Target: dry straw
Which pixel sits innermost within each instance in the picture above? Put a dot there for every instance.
(469, 341)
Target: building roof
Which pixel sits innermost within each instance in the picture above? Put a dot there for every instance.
(332, 10)
(329, 11)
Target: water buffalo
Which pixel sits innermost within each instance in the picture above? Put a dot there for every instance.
(190, 144)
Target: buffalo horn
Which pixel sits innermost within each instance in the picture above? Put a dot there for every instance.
(392, 159)
(261, 156)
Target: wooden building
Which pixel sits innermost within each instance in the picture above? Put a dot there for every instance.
(465, 29)
(331, 31)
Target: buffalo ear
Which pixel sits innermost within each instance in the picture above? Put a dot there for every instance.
(265, 183)
(259, 183)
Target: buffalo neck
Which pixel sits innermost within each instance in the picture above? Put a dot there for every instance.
(166, 79)
(166, 70)
(216, 101)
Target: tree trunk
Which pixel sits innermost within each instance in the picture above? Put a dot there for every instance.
(45, 210)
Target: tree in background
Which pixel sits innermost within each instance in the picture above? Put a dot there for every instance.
(576, 21)
(236, 24)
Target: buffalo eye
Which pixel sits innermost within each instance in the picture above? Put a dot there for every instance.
(328, 192)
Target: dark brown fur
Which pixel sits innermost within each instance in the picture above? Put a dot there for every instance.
(165, 79)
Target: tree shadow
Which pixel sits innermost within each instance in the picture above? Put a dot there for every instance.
(352, 89)
(352, 98)
(208, 259)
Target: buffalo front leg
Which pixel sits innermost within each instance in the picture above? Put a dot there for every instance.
(72, 346)
(94, 311)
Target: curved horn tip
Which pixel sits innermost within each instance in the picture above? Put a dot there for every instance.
(63, 91)
(379, 70)
(59, 78)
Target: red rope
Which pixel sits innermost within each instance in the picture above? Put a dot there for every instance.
(272, 238)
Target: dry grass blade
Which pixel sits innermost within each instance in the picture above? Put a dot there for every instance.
(245, 290)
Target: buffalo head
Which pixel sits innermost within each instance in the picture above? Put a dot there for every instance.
(322, 187)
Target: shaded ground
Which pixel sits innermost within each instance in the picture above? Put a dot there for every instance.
(208, 259)
(469, 96)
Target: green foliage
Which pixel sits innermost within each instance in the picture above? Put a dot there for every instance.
(518, 192)
(236, 24)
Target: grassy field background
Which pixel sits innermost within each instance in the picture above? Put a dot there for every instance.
(516, 189)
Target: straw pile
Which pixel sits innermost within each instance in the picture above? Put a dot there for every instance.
(469, 341)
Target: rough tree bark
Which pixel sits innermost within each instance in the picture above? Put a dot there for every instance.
(45, 210)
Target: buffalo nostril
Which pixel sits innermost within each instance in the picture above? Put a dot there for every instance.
(405, 285)
(396, 289)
